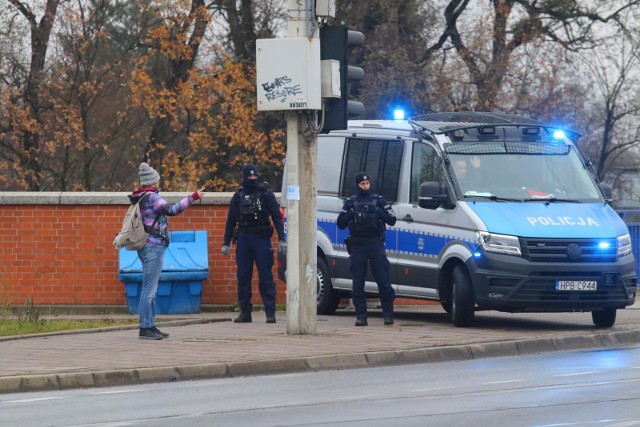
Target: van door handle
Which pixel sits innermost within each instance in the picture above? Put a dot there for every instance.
(407, 218)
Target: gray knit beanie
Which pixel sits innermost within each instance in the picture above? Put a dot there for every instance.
(148, 175)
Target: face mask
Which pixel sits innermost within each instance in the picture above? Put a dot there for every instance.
(249, 184)
(360, 192)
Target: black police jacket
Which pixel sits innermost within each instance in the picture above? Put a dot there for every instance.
(366, 215)
(270, 205)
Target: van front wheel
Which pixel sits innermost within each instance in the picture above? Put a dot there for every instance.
(445, 302)
(462, 304)
(604, 318)
(328, 298)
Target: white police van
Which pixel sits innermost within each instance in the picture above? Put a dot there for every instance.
(495, 212)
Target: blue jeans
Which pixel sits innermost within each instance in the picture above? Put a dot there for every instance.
(152, 257)
(256, 248)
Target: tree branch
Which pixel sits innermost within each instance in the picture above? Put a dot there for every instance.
(451, 13)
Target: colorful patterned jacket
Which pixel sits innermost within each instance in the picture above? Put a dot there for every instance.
(155, 211)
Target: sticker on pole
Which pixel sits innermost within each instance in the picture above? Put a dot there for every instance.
(293, 192)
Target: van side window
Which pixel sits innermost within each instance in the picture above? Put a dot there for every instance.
(381, 158)
(330, 151)
(426, 165)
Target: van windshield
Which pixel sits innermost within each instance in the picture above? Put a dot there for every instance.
(521, 171)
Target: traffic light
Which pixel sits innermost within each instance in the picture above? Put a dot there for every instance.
(334, 45)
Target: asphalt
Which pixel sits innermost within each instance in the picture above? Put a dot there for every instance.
(210, 345)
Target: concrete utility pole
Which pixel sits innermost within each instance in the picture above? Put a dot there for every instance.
(291, 77)
(302, 155)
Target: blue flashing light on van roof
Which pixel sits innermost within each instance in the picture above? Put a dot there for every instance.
(398, 114)
(558, 134)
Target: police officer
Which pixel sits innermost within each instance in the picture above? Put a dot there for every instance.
(249, 212)
(366, 214)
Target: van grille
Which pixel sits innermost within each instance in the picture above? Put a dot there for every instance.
(503, 283)
(568, 250)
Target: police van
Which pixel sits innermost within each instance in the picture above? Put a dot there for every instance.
(494, 212)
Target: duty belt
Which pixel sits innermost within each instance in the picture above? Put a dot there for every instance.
(366, 240)
(256, 230)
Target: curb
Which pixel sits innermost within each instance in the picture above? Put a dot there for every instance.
(110, 378)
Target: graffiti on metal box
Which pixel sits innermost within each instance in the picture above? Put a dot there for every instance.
(280, 89)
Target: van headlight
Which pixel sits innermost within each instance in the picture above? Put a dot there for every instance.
(499, 243)
(624, 245)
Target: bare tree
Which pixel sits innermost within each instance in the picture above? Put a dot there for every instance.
(40, 34)
(614, 124)
(516, 23)
(248, 20)
(395, 33)
(242, 33)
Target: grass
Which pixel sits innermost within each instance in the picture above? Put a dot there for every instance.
(12, 327)
(26, 320)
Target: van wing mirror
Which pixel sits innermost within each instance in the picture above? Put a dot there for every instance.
(607, 191)
(431, 195)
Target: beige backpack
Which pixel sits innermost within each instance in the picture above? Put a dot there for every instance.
(132, 235)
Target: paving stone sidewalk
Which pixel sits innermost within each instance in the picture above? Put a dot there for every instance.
(210, 345)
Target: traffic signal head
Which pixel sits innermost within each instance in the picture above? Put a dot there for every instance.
(334, 45)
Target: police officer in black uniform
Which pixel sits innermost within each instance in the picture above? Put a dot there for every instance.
(366, 214)
(250, 209)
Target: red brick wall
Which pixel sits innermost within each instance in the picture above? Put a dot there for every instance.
(60, 254)
(56, 249)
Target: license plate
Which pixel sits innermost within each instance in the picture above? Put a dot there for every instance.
(576, 285)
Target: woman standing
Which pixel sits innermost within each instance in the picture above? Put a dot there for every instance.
(154, 211)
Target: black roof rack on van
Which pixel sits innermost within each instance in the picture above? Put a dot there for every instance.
(446, 122)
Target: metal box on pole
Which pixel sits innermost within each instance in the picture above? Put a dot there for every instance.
(326, 8)
(288, 74)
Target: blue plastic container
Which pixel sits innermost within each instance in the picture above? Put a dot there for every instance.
(186, 265)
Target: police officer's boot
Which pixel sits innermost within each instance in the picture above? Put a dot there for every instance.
(361, 321)
(245, 317)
